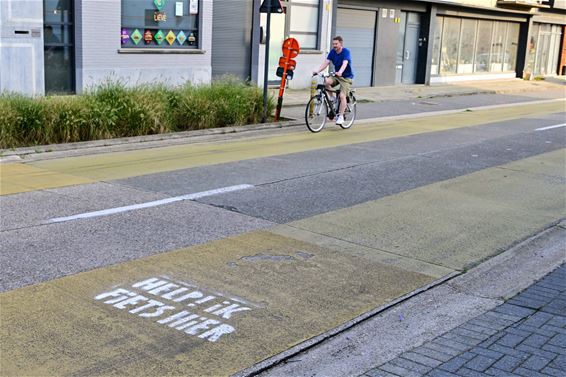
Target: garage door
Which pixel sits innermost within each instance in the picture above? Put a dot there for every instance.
(232, 39)
(357, 27)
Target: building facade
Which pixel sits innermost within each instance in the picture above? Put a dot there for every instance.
(69, 46)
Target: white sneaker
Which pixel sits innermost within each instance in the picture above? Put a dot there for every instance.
(340, 120)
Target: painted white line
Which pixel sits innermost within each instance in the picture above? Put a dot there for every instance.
(155, 203)
(550, 127)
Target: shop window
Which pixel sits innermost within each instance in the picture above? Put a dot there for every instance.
(436, 45)
(160, 24)
(497, 43)
(467, 46)
(449, 49)
(511, 48)
(485, 31)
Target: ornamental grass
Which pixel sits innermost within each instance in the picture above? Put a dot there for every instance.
(114, 110)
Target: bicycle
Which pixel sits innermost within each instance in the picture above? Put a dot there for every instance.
(320, 107)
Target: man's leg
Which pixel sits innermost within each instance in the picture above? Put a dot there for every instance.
(329, 84)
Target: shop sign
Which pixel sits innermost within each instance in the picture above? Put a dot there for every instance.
(179, 9)
(159, 16)
(181, 37)
(124, 36)
(170, 37)
(159, 4)
(159, 37)
(148, 37)
(136, 36)
(193, 7)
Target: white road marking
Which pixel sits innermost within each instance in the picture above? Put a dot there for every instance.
(551, 127)
(112, 211)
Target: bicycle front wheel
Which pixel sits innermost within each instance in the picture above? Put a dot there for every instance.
(316, 114)
(349, 114)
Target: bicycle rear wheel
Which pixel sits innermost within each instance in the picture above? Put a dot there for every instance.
(316, 114)
(349, 114)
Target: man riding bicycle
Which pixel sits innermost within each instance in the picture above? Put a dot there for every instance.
(342, 60)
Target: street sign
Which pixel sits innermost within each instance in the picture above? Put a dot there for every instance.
(291, 47)
(271, 6)
(287, 65)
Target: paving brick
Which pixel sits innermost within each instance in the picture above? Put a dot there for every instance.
(558, 330)
(510, 351)
(528, 373)
(443, 348)
(559, 362)
(379, 373)
(478, 329)
(421, 359)
(451, 343)
(514, 310)
(536, 362)
(454, 364)
(470, 333)
(536, 340)
(556, 307)
(465, 372)
(462, 338)
(411, 365)
(488, 323)
(517, 331)
(508, 363)
(486, 352)
(399, 371)
(440, 373)
(536, 351)
(536, 330)
(557, 321)
(538, 319)
(503, 317)
(540, 291)
(434, 354)
(499, 373)
(492, 339)
(558, 340)
(510, 340)
(553, 372)
(551, 348)
(480, 363)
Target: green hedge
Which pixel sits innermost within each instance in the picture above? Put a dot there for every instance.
(113, 110)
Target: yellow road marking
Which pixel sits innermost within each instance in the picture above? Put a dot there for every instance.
(119, 165)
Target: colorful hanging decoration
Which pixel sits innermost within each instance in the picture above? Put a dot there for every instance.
(181, 37)
(170, 37)
(159, 4)
(148, 37)
(124, 36)
(136, 36)
(159, 37)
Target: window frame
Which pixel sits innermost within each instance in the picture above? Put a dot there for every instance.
(288, 8)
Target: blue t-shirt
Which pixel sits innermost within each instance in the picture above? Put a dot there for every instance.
(338, 59)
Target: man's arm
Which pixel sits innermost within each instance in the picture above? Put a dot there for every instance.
(342, 69)
(322, 66)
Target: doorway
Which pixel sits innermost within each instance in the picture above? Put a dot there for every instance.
(408, 48)
(59, 49)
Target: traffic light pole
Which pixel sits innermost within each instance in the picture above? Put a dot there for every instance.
(266, 66)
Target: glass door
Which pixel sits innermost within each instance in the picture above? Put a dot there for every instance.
(277, 31)
(59, 50)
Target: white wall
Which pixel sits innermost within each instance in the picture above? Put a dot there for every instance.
(98, 46)
(21, 54)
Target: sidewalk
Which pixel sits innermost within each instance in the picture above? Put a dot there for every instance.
(526, 336)
(404, 92)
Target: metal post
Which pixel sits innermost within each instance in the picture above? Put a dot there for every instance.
(266, 65)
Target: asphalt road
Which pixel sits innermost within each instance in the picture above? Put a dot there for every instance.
(306, 241)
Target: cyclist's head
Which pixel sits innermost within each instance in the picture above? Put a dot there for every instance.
(337, 43)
